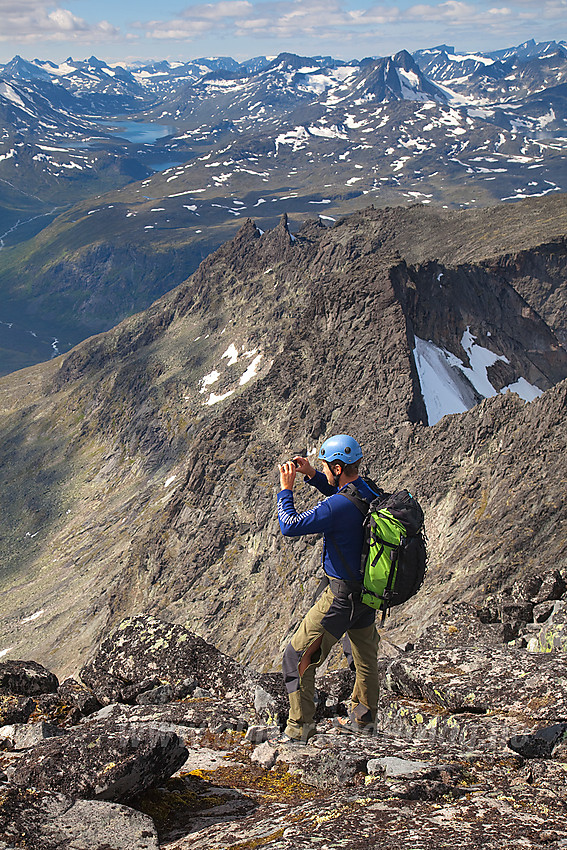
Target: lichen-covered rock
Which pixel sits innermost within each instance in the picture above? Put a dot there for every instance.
(43, 820)
(553, 633)
(160, 695)
(260, 734)
(22, 736)
(187, 719)
(130, 693)
(393, 766)
(455, 801)
(527, 587)
(333, 689)
(93, 825)
(415, 720)
(552, 587)
(481, 679)
(540, 744)
(543, 611)
(15, 709)
(270, 699)
(464, 625)
(26, 678)
(77, 694)
(102, 763)
(149, 652)
(265, 755)
(513, 611)
(326, 768)
(71, 701)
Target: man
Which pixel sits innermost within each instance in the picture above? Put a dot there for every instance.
(339, 609)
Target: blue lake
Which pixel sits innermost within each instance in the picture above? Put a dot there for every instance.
(137, 131)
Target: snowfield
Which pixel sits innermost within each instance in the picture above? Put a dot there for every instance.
(448, 386)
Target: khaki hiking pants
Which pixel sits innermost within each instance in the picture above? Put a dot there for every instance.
(337, 611)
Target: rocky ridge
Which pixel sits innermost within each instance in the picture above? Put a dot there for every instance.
(190, 759)
(140, 470)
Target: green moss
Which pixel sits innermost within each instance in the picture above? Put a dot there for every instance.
(176, 799)
(54, 713)
(276, 784)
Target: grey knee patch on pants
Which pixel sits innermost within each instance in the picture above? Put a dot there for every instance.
(290, 667)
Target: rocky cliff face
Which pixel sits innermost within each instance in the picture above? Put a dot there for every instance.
(140, 470)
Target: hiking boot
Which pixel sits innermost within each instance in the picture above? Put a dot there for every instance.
(541, 744)
(353, 726)
(286, 741)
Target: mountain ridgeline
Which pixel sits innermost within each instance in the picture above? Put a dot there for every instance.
(139, 470)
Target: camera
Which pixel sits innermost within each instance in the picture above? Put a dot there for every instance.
(301, 453)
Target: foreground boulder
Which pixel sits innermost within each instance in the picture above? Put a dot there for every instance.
(101, 762)
(22, 736)
(552, 635)
(148, 661)
(43, 820)
(144, 653)
(465, 625)
(15, 709)
(26, 678)
(439, 765)
(68, 705)
(484, 679)
(188, 720)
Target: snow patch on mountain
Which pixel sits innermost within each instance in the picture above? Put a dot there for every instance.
(480, 359)
(35, 616)
(333, 132)
(410, 86)
(472, 57)
(9, 155)
(251, 371)
(524, 389)
(231, 353)
(296, 138)
(447, 384)
(11, 94)
(443, 390)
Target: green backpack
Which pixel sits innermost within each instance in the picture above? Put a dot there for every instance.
(394, 550)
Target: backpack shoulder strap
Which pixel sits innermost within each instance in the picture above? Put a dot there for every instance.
(351, 493)
(374, 487)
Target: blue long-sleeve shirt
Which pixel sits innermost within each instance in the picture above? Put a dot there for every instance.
(337, 518)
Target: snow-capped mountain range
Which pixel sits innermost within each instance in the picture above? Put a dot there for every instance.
(516, 95)
(479, 113)
(177, 154)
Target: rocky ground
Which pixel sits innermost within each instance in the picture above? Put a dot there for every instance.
(165, 742)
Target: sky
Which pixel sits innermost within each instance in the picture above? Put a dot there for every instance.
(140, 30)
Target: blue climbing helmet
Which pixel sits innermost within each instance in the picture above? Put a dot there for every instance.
(341, 448)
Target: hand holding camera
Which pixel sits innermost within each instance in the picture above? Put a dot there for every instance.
(287, 475)
(303, 466)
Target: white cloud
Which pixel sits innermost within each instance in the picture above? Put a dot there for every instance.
(40, 20)
(378, 26)
(198, 19)
(319, 19)
(222, 9)
(66, 21)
